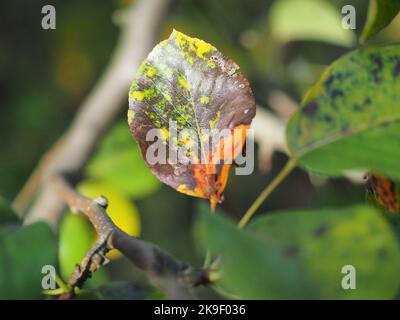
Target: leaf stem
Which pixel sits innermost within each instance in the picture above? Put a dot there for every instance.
(266, 192)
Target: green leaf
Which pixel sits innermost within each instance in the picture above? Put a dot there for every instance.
(188, 81)
(328, 239)
(380, 15)
(350, 119)
(300, 254)
(76, 238)
(251, 269)
(23, 253)
(7, 214)
(118, 163)
(315, 20)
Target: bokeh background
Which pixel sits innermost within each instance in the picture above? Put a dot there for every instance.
(45, 75)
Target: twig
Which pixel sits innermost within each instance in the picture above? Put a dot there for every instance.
(140, 27)
(283, 105)
(170, 275)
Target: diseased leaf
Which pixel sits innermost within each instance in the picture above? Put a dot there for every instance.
(188, 81)
(313, 20)
(300, 254)
(350, 119)
(380, 15)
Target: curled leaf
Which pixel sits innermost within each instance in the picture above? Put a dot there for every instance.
(293, 20)
(184, 95)
(380, 15)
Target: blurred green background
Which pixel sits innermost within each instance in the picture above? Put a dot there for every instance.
(45, 75)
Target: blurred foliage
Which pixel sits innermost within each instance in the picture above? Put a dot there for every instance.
(47, 74)
(300, 254)
(292, 20)
(380, 15)
(75, 239)
(7, 214)
(119, 163)
(24, 250)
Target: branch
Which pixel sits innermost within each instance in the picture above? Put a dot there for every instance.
(140, 25)
(169, 275)
(269, 133)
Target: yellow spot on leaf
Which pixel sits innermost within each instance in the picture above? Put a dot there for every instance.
(131, 115)
(149, 93)
(197, 46)
(183, 82)
(205, 137)
(150, 71)
(164, 133)
(168, 97)
(204, 100)
(215, 121)
(137, 95)
(202, 47)
(184, 189)
(211, 64)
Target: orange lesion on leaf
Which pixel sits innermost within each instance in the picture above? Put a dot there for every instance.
(212, 176)
(384, 191)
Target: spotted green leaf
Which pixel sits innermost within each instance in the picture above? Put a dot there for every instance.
(350, 119)
(301, 254)
(188, 81)
(380, 15)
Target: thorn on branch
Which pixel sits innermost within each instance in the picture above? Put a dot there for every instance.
(102, 201)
